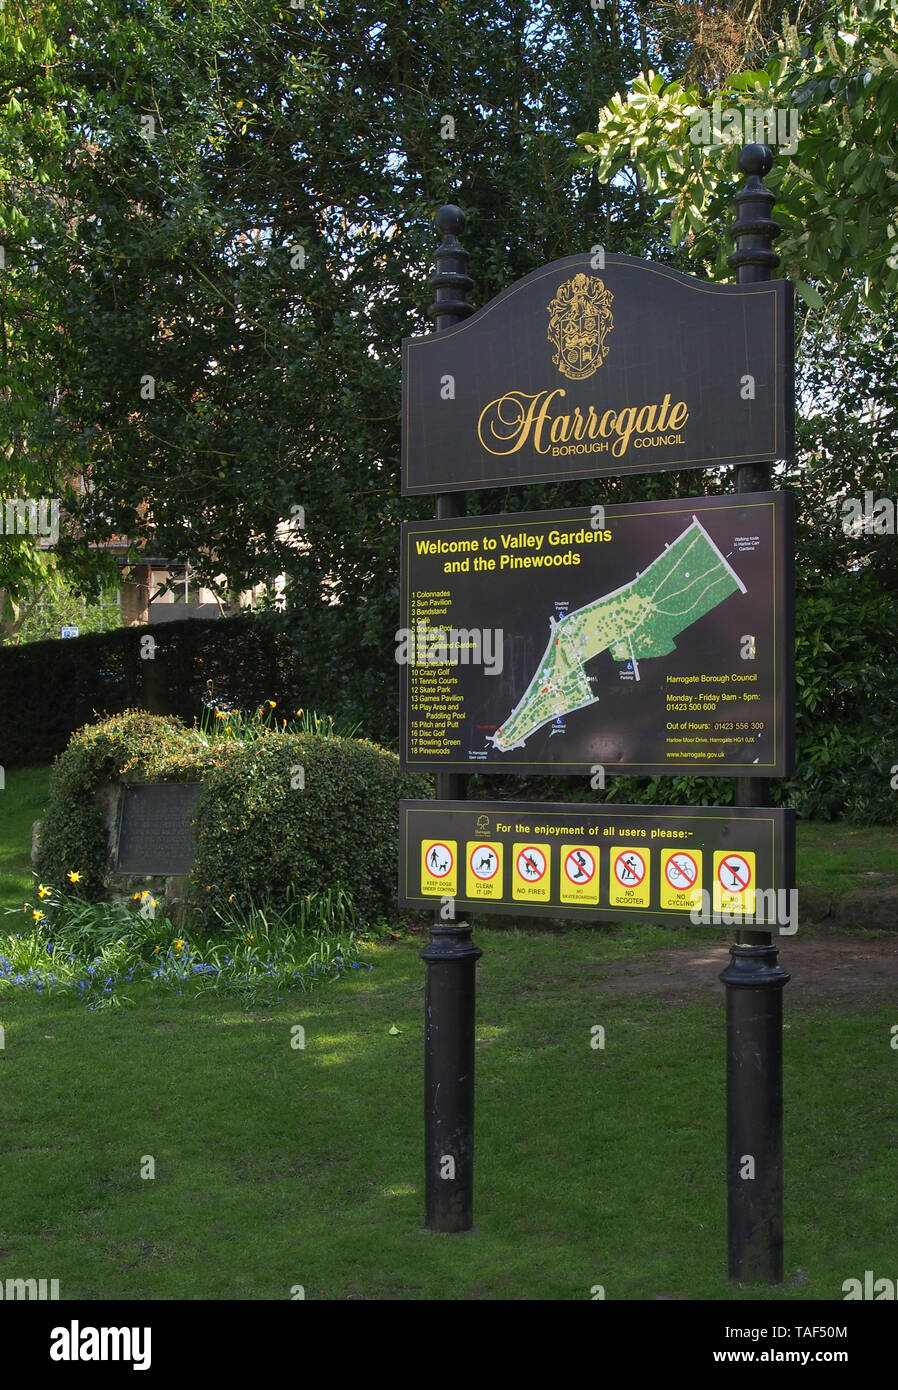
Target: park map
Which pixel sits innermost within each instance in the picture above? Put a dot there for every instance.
(635, 622)
(644, 637)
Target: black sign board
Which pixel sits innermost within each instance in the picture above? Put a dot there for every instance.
(156, 828)
(641, 638)
(597, 366)
(700, 864)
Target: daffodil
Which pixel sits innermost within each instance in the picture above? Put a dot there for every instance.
(178, 944)
(73, 876)
(42, 892)
(38, 916)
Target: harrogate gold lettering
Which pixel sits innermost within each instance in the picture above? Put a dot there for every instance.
(519, 417)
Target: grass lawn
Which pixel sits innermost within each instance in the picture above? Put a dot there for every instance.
(838, 857)
(277, 1167)
(21, 802)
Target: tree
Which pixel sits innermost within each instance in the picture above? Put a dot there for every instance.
(835, 97)
(250, 194)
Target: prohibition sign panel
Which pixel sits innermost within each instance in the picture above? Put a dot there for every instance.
(531, 879)
(579, 881)
(681, 879)
(629, 884)
(643, 835)
(734, 881)
(579, 864)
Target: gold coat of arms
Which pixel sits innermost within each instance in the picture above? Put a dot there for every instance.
(579, 325)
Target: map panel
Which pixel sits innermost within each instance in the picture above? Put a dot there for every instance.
(644, 638)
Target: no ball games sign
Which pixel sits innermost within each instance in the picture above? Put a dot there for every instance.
(599, 365)
(652, 638)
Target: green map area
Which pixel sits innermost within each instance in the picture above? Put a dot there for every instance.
(637, 621)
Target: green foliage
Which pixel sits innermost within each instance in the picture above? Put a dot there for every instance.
(280, 817)
(52, 606)
(847, 731)
(135, 745)
(300, 814)
(174, 253)
(91, 951)
(836, 190)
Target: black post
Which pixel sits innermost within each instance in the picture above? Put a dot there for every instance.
(450, 954)
(753, 979)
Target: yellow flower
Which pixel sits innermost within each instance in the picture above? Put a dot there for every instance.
(74, 876)
(156, 949)
(155, 902)
(299, 713)
(249, 936)
(178, 945)
(42, 892)
(220, 714)
(272, 704)
(230, 897)
(37, 915)
(136, 896)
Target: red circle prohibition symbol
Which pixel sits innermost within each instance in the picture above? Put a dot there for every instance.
(531, 857)
(586, 873)
(438, 860)
(680, 871)
(633, 871)
(478, 873)
(739, 869)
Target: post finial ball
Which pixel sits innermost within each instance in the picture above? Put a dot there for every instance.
(450, 220)
(756, 159)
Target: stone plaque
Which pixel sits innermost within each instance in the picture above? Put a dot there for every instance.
(156, 828)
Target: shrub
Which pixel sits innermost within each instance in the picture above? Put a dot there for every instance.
(264, 832)
(134, 745)
(259, 834)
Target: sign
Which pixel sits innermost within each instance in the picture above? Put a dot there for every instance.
(580, 878)
(68, 631)
(438, 876)
(734, 881)
(628, 884)
(681, 879)
(156, 828)
(659, 641)
(598, 366)
(484, 878)
(605, 862)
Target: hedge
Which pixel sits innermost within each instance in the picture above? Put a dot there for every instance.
(50, 689)
(286, 813)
